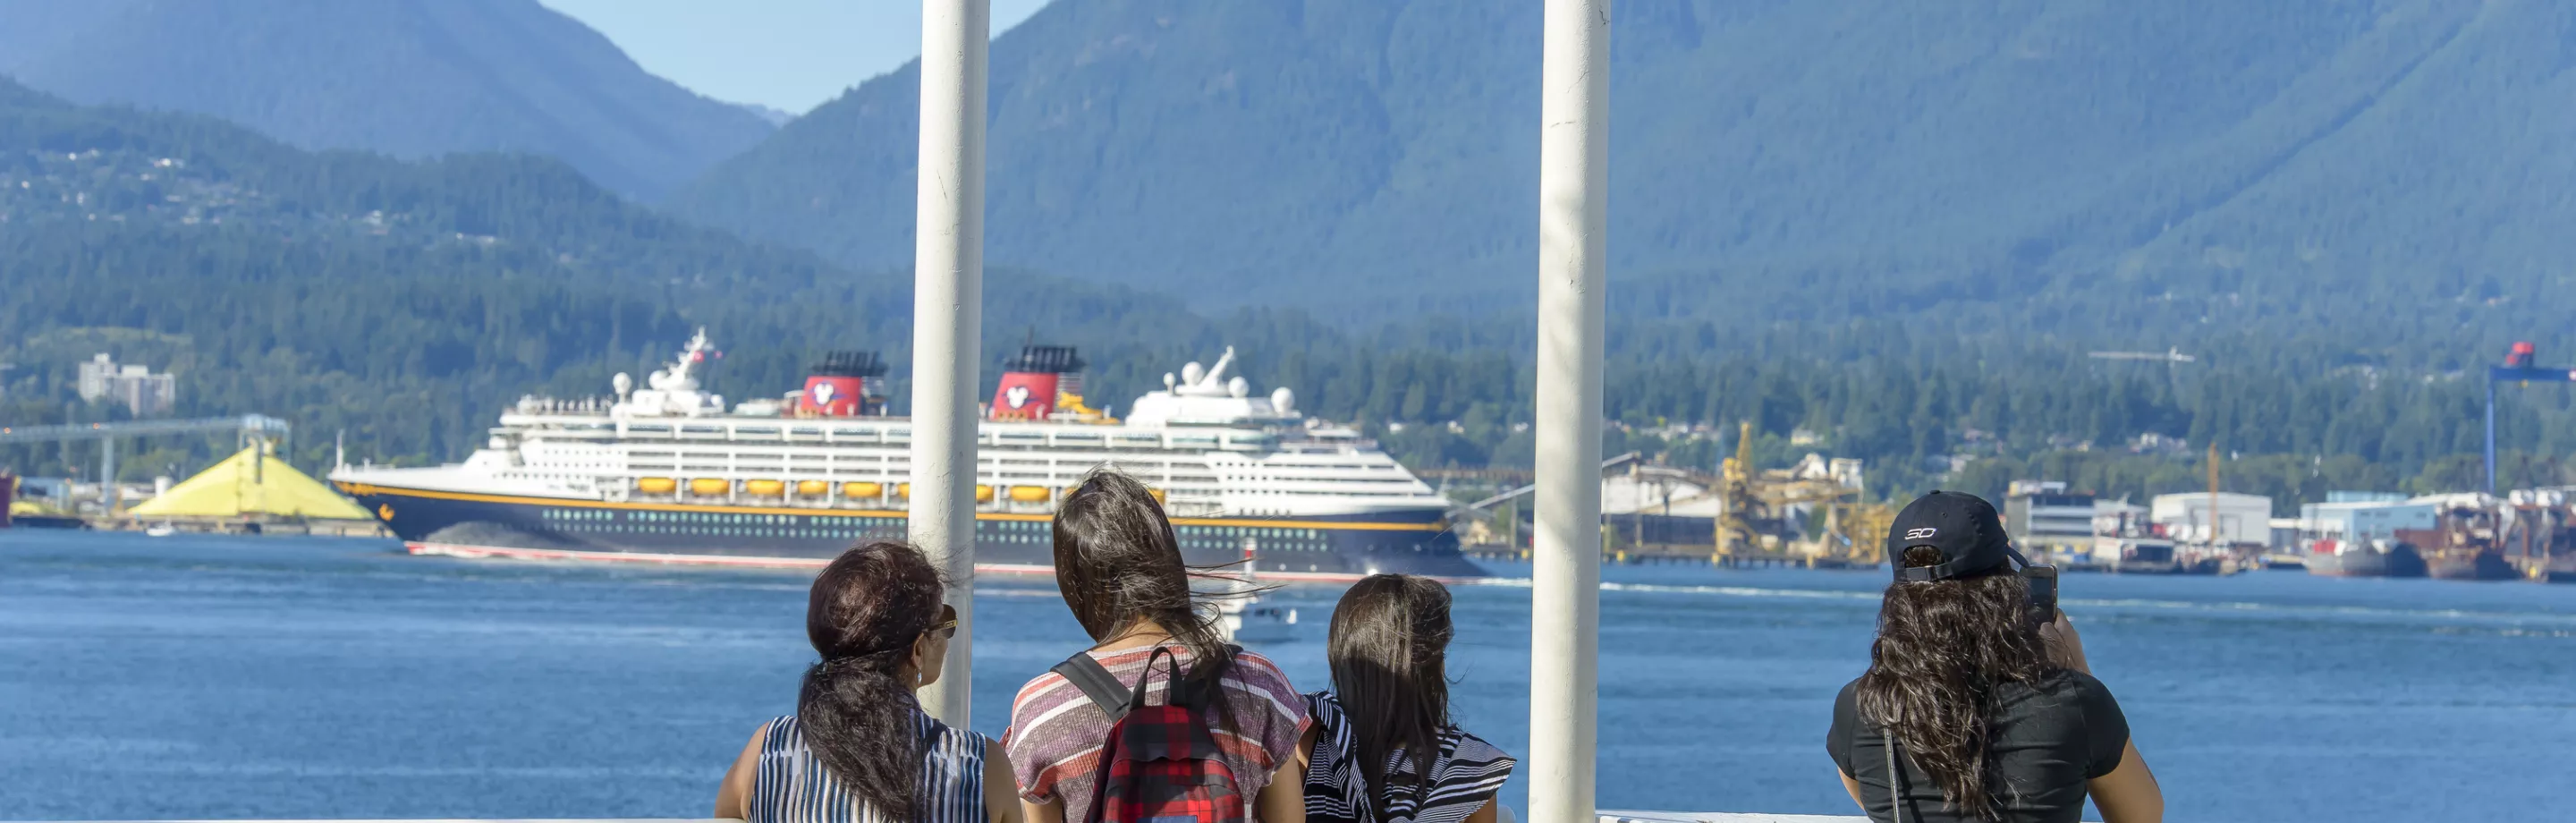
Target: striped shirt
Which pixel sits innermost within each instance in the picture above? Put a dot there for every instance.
(1056, 731)
(1464, 775)
(792, 786)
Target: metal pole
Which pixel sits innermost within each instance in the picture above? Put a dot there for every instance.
(947, 309)
(2490, 452)
(1565, 599)
(107, 474)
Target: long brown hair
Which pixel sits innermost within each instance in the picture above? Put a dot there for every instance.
(1389, 653)
(1943, 647)
(856, 709)
(1118, 564)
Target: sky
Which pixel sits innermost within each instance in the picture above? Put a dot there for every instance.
(785, 54)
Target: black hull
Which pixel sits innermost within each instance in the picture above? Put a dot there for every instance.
(1411, 542)
(2401, 561)
(2473, 566)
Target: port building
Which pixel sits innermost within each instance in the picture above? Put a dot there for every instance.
(2241, 518)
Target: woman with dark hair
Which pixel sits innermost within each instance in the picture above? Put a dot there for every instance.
(1382, 749)
(859, 748)
(1992, 713)
(1120, 570)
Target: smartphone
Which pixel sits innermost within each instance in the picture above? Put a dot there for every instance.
(2043, 592)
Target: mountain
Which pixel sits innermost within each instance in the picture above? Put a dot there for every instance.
(409, 78)
(1828, 158)
(404, 303)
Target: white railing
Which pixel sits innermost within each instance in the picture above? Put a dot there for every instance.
(1606, 817)
(1723, 817)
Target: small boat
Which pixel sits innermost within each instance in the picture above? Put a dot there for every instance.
(1242, 616)
(160, 530)
(1248, 621)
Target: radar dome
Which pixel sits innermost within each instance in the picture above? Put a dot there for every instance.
(1239, 387)
(622, 383)
(1282, 400)
(1192, 373)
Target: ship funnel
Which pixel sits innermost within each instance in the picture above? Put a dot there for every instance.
(1035, 383)
(843, 385)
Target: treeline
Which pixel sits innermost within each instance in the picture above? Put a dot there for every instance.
(405, 304)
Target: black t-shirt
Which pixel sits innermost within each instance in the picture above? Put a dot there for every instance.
(2050, 739)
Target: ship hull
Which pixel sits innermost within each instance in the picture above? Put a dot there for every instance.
(2476, 565)
(435, 522)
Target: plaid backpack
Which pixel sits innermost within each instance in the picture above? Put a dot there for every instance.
(1160, 763)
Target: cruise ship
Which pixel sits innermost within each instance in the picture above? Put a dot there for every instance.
(667, 472)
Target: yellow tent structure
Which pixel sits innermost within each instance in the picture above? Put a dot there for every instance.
(253, 482)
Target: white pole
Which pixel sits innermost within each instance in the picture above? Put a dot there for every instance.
(1565, 601)
(947, 310)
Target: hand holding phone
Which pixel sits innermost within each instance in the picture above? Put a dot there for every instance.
(2064, 645)
(2043, 592)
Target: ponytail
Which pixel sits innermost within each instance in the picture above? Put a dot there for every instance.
(856, 708)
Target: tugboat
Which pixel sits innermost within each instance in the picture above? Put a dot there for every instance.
(670, 473)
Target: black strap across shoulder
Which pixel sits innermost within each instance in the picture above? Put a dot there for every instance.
(1097, 683)
(1895, 779)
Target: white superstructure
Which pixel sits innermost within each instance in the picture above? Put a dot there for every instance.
(1206, 443)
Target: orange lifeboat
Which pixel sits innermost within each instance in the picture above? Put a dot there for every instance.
(656, 485)
(710, 486)
(903, 490)
(863, 491)
(813, 488)
(983, 493)
(764, 488)
(1029, 494)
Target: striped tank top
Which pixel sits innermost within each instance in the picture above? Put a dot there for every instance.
(791, 785)
(1464, 776)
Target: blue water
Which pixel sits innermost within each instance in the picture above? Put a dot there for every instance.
(208, 677)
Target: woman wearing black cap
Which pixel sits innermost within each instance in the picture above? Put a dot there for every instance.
(1994, 714)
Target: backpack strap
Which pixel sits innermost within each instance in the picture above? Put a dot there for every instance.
(1097, 683)
(1895, 779)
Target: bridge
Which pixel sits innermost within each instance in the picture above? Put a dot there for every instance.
(250, 426)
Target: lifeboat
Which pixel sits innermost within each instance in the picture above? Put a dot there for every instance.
(710, 486)
(983, 493)
(1028, 494)
(656, 485)
(1157, 493)
(863, 491)
(813, 488)
(764, 488)
(903, 490)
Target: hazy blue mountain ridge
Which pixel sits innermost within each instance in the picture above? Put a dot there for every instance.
(409, 78)
(1814, 158)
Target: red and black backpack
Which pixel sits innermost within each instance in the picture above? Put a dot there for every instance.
(1160, 763)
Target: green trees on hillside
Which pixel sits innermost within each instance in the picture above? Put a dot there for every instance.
(407, 303)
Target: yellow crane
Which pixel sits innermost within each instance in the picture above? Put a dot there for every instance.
(1753, 523)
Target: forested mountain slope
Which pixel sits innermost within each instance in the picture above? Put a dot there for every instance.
(1814, 158)
(410, 78)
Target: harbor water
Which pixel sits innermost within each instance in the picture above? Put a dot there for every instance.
(212, 677)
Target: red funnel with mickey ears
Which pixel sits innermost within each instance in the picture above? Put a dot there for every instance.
(1034, 381)
(840, 386)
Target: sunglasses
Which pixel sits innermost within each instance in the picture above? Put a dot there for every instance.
(947, 626)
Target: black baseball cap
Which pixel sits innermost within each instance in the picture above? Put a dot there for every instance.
(1963, 526)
